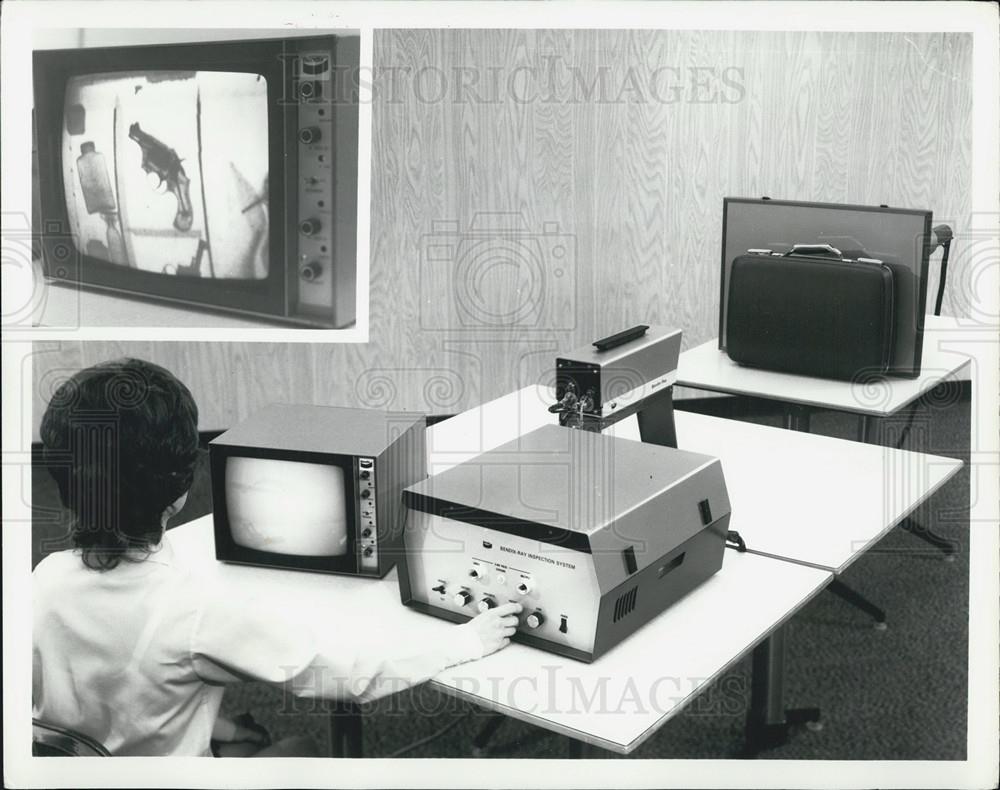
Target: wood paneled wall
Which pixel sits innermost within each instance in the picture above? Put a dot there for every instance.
(570, 183)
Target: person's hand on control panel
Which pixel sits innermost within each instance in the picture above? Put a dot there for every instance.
(495, 627)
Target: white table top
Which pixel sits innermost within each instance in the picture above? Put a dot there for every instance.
(787, 495)
(795, 496)
(618, 701)
(705, 367)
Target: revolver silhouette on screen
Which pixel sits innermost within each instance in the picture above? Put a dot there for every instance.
(162, 160)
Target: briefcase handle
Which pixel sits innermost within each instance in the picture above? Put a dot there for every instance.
(823, 250)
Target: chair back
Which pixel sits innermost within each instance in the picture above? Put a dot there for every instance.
(50, 740)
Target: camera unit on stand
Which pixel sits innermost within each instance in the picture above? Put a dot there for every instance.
(631, 372)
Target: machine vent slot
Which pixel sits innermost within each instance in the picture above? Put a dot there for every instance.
(625, 604)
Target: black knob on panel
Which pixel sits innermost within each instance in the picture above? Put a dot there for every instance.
(311, 271)
(366, 532)
(309, 135)
(365, 474)
(365, 494)
(486, 604)
(310, 227)
(462, 597)
(368, 551)
(534, 620)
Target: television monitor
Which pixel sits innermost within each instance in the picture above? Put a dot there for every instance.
(899, 237)
(218, 175)
(315, 488)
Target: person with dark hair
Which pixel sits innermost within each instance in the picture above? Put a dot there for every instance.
(121, 441)
(134, 650)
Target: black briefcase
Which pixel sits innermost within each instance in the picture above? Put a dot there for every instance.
(812, 312)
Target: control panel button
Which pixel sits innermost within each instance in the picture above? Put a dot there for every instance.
(563, 628)
(368, 551)
(309, 135)
(501, 579)
(311, 271)
(365, 474)
(524, 587)
(462, 598)
(366, 532)
(534, 620)
(486, 604)
(476, 573)
(314, 64)
(365, 494)
(310, 227)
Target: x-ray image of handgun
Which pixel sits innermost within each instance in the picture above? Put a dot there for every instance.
(163, 161)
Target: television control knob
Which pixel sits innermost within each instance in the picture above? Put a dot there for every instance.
(309, 135)
(365, 494)
(365, 474)
(366, 532)
(486, 604)
(462, 598)
(310, 227)
(311, 271)
(368, 551)
(534, 620)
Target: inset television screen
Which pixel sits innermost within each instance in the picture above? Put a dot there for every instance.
(213, 175)
(167, 171)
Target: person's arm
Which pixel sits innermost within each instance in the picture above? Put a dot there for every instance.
(226, 730)
(377, 667)
(251, 641)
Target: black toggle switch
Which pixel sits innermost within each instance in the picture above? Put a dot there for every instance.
(630, 564)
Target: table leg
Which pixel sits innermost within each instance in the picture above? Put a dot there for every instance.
(345, 729)
(768, 721)
(866, 429)
(915, 528)
(868, 433)
(483, 737)
(797, 418)
(853, 597)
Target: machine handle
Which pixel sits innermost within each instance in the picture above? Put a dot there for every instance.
(825, 250)
(621, 338)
